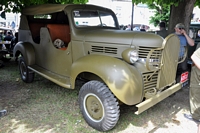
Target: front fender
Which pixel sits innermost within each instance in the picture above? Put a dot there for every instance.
(27, 50)
(123, 79)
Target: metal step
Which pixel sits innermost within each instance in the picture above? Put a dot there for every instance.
(58, 79)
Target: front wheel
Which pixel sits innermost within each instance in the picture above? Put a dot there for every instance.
(98, 105)
(26, 74)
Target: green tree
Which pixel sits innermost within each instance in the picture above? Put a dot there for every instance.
(161, 13)
(180, 11)
(15, 6)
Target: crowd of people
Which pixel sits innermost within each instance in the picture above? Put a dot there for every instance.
(8, 36)
(135, 28)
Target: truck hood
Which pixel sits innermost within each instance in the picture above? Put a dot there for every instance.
(122, 37)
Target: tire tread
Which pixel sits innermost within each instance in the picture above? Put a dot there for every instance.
(110, 103)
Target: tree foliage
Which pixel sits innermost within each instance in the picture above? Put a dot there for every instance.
(158, 2)
(162, 13)
(16, 6)
(180, 11)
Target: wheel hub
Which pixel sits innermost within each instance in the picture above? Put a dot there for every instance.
(94, 107)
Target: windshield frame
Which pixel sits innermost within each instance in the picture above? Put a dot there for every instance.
(99, 15)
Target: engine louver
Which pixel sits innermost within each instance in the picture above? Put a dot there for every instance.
(108, 50)
(144, 51)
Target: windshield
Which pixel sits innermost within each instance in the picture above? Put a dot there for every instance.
(85, 18)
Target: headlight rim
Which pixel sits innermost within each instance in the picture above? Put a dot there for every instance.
(129, 54)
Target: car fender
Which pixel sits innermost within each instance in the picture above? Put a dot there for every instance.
(124, 80)
(27, 51)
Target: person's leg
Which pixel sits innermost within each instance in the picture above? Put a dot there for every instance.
(195, 93)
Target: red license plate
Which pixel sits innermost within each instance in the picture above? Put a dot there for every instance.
(184, 77)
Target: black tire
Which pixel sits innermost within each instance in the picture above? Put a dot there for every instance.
(26, 74)
(98, 105)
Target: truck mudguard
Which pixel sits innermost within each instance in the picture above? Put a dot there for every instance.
(27, 51)
(124, 80)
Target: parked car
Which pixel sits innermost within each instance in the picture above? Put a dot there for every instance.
(64, 43)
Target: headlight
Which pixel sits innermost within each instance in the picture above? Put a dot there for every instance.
(130, 55)
(133, 56)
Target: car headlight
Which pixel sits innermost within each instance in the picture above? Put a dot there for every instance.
(130, 55)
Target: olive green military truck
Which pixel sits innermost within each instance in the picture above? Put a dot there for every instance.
(64, 43)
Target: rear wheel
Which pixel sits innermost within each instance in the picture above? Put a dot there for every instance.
(26, 74)
(98, 105)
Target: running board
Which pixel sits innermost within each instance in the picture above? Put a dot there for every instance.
(157, 98)
(58, 79)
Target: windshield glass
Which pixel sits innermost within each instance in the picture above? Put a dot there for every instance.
(85, 18)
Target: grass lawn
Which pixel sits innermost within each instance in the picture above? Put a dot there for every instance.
(44, 107)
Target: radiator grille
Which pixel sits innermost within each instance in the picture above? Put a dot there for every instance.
(150, 80)
(100, 49)
(154, 59)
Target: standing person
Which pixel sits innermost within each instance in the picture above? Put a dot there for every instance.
(13, 25)
(128, 27)
(162, 32)
(8, 37)
(184, 41)
(194, 95)
(142, 28)
(14, 41)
